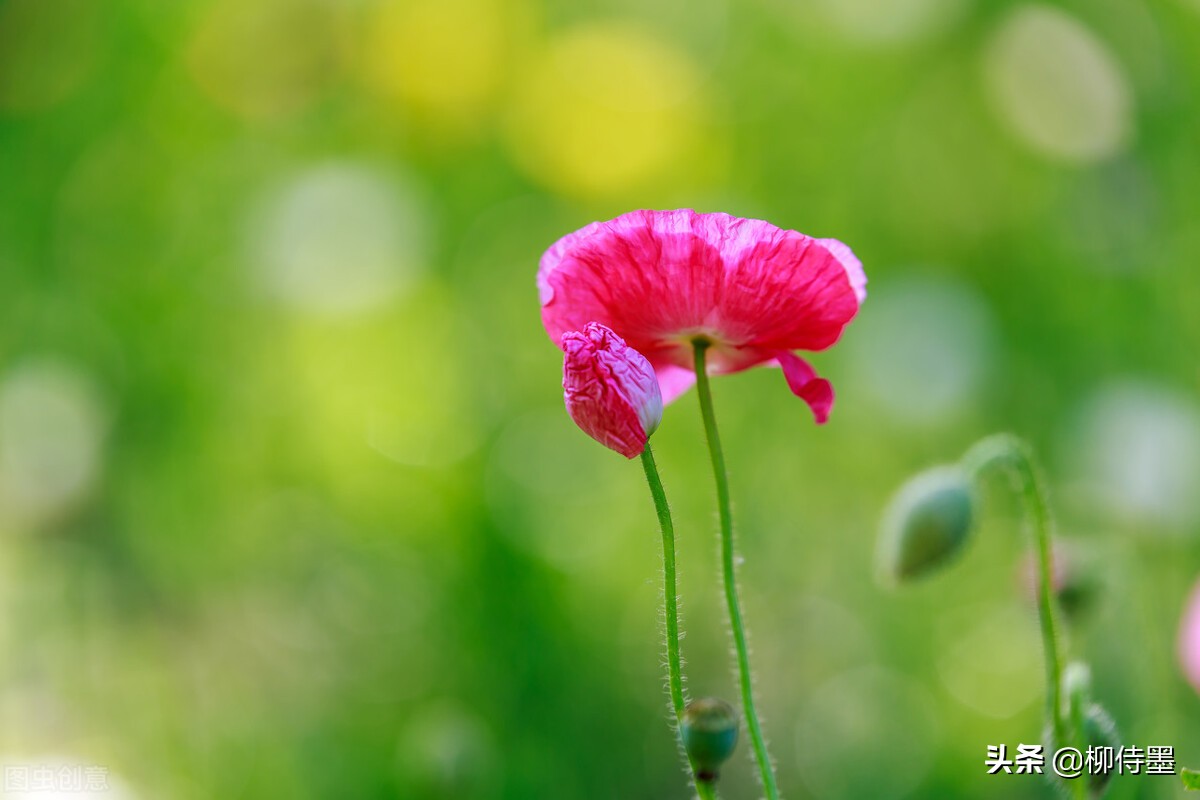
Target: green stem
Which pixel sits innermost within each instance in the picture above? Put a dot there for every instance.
(671, 599)
(1010, 452)
(674, 664)
(729, 578)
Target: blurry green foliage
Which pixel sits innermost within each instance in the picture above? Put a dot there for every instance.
(289, 506)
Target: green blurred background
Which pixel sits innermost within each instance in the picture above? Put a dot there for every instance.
(289, 504)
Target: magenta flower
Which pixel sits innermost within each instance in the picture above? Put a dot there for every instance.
(610, 389)
(1189, 638)
(662, 279)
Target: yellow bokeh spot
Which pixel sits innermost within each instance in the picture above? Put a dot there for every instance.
(606, 108)
(448, 58)
(264, 60)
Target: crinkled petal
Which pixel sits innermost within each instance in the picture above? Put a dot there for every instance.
(849, 262)
(802, 379)
(610, 390)
(660, 278)
(648, 275)
(786, 291)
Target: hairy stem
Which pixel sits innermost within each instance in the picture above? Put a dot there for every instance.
(671, 600)
(729, 577)
(1004, 450)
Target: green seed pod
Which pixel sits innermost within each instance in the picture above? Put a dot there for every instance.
(927, 523)
(709, 732)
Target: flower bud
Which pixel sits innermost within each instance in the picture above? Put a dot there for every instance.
(709, 732)
(1099, 730)
(1074, 579)
(1189, 638)
(610, 389)
(927, 523)
(1077, 683)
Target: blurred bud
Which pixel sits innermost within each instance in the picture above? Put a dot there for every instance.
(1073, 579)
(709, 732)
(1099, 730)
(1189, 638)
(610, 389)
(1077, 683)
(927, 523)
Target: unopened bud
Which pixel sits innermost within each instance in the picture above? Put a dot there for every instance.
(1099, 730)
(927, 523)
(1074, 579)
(709, 732)
(610, 389)
(1189, 638)
(1077, 684)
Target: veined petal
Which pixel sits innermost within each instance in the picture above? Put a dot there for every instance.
(802, 379)
(786, 291)
(650, 276)
(660, 277)
(850, 262)
(664, 279)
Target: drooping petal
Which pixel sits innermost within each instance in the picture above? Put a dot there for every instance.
(802, 379)
(610, 389)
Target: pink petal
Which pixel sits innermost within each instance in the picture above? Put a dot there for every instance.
(1189, 639)
(850, 262)
(786, 292)
(610, 389)
(659, 278)
(645, 274)
(803, 381)
(673, 381)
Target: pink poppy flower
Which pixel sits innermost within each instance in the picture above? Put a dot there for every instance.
(610, 389)
(1189, 639)
(662, 279)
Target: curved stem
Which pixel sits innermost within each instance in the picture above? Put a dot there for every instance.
(729, 578)
(671, 600)
(674, 664)
(1009, 451)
